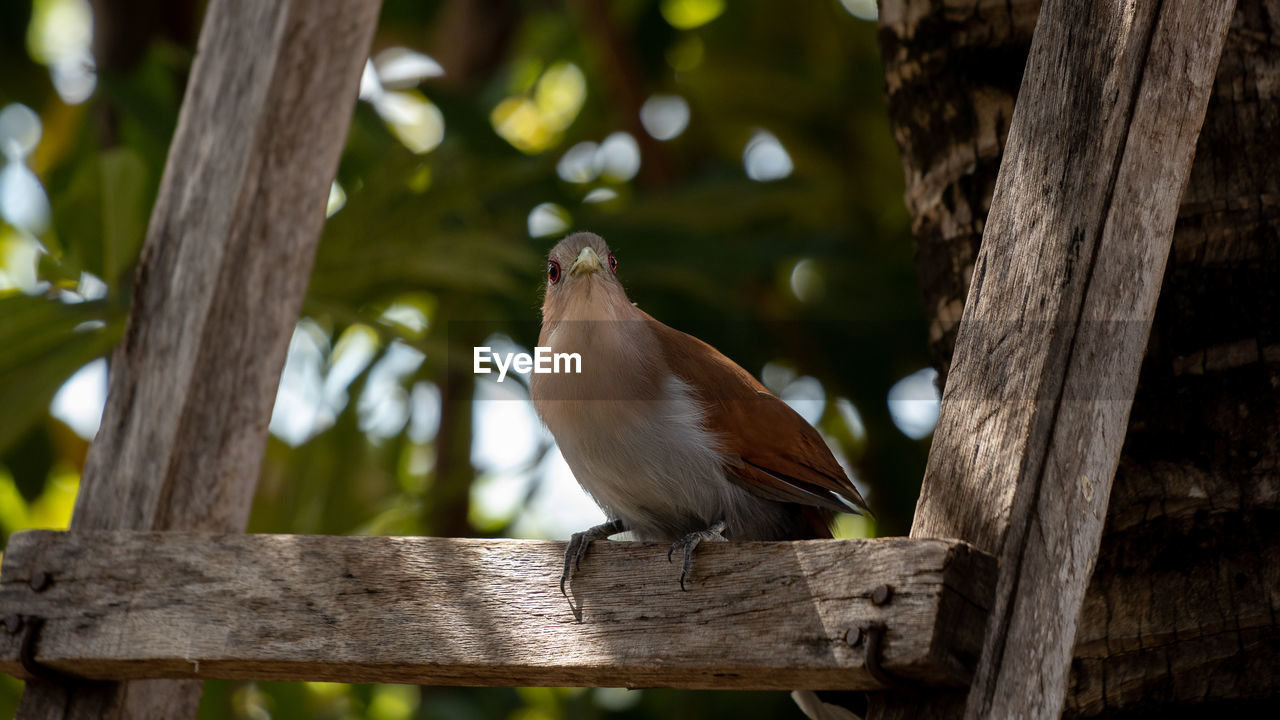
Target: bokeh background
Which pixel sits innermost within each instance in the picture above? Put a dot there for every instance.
(737, 157)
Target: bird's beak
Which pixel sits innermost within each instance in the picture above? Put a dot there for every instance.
(588, 262)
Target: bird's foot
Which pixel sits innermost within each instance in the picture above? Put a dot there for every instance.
(578, 544)
(691, 541)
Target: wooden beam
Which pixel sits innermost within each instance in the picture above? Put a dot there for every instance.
(490, 612)
(226, 263)
(219, 287)
(1056, 322)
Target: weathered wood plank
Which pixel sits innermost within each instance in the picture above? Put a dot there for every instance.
(1056, 321)
(225, 266)
(490, 612)
(219, 286)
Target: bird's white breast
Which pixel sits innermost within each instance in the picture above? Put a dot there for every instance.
(650, 463)
(655, 466)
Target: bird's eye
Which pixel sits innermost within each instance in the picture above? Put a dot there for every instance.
(613, 264)
(553, 271)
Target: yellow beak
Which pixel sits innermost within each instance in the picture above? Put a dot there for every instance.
(587, 262)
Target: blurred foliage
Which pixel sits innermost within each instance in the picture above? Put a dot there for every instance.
(428, 252)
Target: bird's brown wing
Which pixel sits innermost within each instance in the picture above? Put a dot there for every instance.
(769, 449)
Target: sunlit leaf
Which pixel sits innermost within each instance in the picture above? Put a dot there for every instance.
(533, 124)
(13, 508)
(559, 95)
(394, 702)
(689, 14)
(517, 120)
(51, 510)
(401, 67)
(414, 119)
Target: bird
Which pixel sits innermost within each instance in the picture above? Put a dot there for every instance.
(673, 440)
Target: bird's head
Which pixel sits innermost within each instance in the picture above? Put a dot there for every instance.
(582, 281)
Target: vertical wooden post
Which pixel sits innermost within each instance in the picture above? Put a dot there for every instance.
(220, 284)
(1056, 323)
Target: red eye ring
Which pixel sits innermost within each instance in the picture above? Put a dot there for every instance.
(613, 264)
(553, 271)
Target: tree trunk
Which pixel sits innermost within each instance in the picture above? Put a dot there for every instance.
(447, 506)
(1181, 611)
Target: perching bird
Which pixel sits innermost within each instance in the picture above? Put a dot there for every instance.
(672, 439)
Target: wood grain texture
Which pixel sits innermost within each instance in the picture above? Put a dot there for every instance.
(225, 265)
(219, 286)
(489, 612)
(1182, 612)
(1057, 318)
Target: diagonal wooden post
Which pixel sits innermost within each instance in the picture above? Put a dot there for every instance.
(220, 284)
(1056, 323)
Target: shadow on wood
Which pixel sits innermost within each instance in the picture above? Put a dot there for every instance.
(490, 612)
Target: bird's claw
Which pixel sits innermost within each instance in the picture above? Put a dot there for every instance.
(577, 548)
(572, 559)
(691, 541)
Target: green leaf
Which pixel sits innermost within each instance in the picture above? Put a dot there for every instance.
(124, 211)
(42, 343)
(101, 219)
